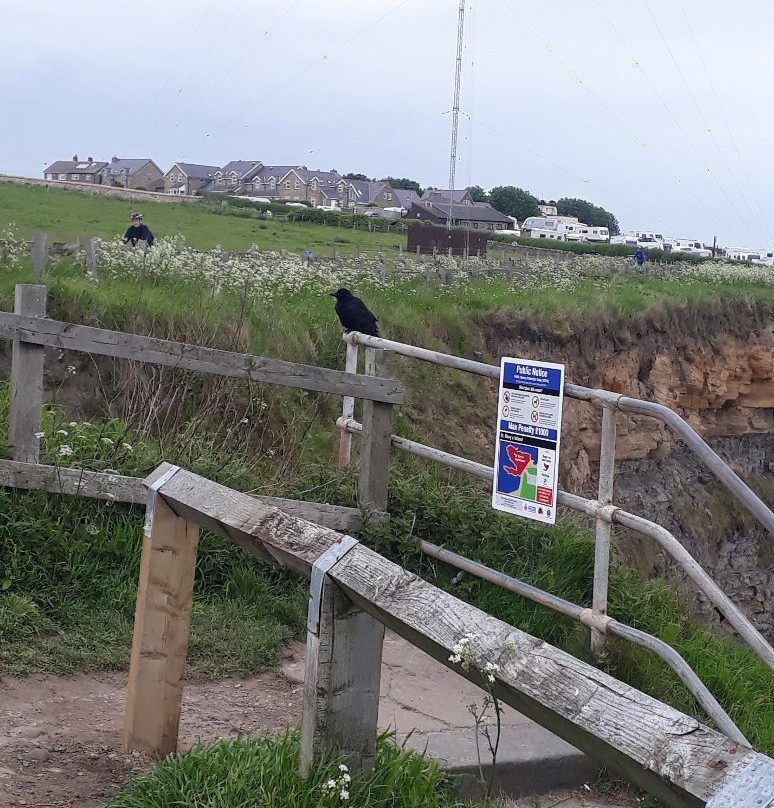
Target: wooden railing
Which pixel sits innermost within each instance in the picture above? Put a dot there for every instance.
(355, 593)
(30, 330)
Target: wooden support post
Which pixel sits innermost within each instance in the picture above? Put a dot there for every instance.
(348, 408)
(39, 255)
(91, 259)
(26, 379)
(341, 683)
(375, 444)
(161, 623)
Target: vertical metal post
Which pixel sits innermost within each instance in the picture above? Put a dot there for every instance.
(348, 407)
(603, 527)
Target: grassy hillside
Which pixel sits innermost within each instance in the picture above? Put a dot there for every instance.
(67, 584)
(67, 215)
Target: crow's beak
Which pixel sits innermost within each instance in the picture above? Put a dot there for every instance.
(332, 294)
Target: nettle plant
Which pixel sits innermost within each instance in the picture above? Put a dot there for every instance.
(485, 671)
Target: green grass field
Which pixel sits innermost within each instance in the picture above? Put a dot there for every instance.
(67, 215)
(69, 567)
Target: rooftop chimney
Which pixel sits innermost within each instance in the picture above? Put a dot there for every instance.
(89, 159)
(75, 158)
(114, 160)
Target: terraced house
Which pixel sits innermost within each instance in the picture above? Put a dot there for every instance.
(75, 170)
(142, 174)
(188, 178)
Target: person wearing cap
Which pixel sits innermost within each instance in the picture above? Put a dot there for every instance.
(137, 231)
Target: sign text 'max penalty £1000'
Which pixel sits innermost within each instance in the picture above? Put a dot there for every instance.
(529, 428)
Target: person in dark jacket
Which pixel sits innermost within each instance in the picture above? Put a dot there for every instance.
(639, 256)
(137, 231)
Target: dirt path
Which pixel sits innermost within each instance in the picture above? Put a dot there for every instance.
(59, 735)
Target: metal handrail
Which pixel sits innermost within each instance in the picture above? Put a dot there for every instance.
(609, 514)
(601, 398)
(607, 625)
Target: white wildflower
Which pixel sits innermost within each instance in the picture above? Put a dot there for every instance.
(244, 421)
(108, 441)
(65, 451)
(40, 435)
(343, 767)
(128, 447)
(345, 778)
(61, 432)
(92, 530)
(73, 423)
(455, 658)
(344, 794)
(331, 784)
(71, 370)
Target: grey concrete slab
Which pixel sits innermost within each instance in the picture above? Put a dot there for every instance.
(423, 698)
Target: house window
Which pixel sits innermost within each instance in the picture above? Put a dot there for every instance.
(63, 176)
(179, 177)
(490, 226)
(295, 185)
(76, 176)
(387, 195)
(475, 225)
(272, 183)
(287, 185)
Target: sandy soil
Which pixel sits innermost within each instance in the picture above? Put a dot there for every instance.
(60, 737)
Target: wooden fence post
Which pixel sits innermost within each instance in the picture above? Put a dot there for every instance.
(39, 255)
(91, 259)
(26, 379)
(341, 680)
(161, 624)
(375, 443)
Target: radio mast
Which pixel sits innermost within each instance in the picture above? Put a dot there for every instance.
(456, 109)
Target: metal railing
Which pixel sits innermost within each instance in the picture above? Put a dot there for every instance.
(601, 509)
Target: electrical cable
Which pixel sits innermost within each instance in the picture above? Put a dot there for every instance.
(618, 119)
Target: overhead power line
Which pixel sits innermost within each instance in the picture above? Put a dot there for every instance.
(619, 120)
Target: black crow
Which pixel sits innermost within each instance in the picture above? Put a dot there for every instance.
(354, 314)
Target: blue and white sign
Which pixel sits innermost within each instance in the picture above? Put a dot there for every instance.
(529, 428)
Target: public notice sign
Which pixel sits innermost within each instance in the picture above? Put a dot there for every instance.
(529, 427)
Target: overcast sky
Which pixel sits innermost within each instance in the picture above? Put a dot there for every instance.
(657, 110)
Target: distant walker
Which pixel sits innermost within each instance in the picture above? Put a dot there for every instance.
(354, 314)
(137, 231)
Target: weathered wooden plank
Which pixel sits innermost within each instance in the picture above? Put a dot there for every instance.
(119, 488)
(77, 482)
(26, 378)
(160, 641)
(341, 683)
(667, 753)
(375, 442)
(197, 358)
(262, 530)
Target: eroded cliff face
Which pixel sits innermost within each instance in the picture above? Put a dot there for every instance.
(718, 373)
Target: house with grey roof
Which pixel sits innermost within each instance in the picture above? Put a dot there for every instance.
(441, 197)
(406, 198)
(264, 180)
(75, 170)
(472, 215)
(142, 174)
(188, 178)
(231, 177)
